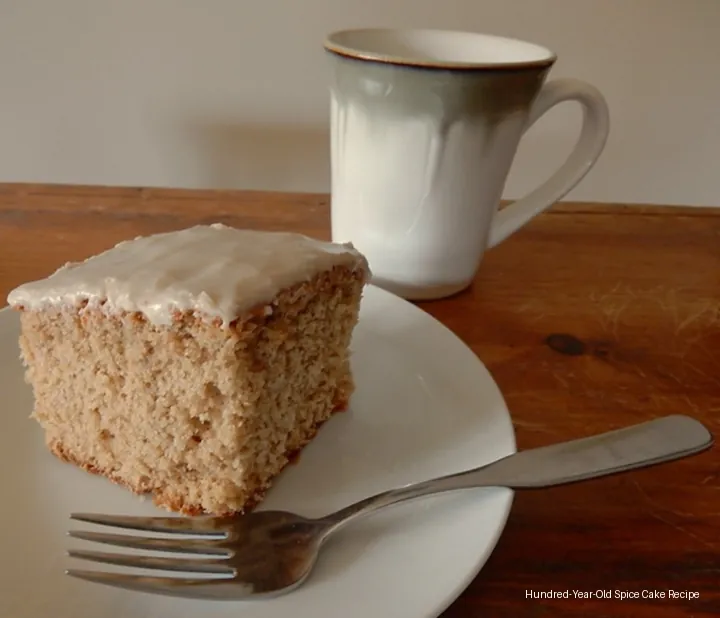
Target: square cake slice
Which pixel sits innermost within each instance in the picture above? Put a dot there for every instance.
(193, 364)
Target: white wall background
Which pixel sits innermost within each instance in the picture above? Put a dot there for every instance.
(232, 93)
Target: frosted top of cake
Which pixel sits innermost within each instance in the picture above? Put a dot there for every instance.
(215, 270)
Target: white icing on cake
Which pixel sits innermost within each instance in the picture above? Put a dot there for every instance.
(215, 270)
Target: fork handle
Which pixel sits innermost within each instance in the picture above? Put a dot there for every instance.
(637, 446)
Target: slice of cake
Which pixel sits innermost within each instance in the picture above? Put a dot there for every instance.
(192, 365)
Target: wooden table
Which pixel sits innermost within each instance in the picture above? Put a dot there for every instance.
(591, 318)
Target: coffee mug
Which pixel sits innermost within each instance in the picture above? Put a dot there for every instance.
(425, 125)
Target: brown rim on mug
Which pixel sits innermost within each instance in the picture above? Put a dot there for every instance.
(385, 45)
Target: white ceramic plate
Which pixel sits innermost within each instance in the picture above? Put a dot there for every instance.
(425, 406)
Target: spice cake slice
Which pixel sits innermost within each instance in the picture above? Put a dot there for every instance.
(192, 364)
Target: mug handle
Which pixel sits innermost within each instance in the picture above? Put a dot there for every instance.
(593, 135)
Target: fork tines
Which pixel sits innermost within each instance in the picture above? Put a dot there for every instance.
(213, 533)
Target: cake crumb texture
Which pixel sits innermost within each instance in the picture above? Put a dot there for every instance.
(202, 416)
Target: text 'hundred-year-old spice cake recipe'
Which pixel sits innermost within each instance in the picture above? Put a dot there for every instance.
(192, 364)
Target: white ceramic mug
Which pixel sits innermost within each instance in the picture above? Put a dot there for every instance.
(424, 128)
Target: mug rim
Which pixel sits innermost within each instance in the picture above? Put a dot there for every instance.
(333, 43)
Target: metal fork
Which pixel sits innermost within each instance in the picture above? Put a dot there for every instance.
(266, 553)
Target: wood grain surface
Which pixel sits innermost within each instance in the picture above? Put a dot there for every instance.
(591, 318)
